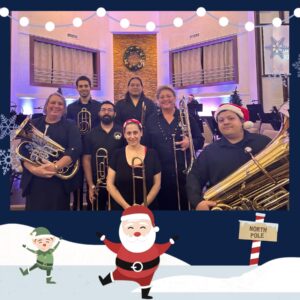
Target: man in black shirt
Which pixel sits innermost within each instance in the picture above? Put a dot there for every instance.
(135, 105)
(223, 157)
(84, 112)
(98, 147)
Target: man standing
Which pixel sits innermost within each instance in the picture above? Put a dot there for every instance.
(84, 112)
(98, 147)
(137, 254)
(43, 240)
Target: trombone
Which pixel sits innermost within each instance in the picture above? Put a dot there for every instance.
(101, 172)
(84, 121)
(135, 176)
(186, 131)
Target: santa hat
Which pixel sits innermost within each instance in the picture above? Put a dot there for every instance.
(241, 111)
(138, 212)
(41, 232)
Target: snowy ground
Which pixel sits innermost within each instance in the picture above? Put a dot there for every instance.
(77, 268)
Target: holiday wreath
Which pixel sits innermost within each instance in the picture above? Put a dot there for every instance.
(134, 58)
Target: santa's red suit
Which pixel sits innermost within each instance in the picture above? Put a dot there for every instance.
(132, 262)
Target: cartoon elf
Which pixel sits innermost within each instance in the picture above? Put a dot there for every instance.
(43, 240)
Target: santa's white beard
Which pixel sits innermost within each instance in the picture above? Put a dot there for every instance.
(137, 244)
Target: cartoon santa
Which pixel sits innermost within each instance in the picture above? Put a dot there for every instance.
(137, 254)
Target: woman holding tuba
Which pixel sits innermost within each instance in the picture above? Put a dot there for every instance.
(41, 186)
(224, 156)
(134, 171)
(164, 132)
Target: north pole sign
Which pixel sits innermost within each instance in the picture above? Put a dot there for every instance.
(258, 231)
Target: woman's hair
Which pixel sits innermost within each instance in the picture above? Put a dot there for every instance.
(54, 94)
(165, 87)
(133, 121)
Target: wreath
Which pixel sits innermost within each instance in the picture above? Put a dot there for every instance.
(134, 58)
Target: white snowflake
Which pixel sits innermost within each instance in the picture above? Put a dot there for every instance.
(296, 65)
(7, 125)
(5, 161)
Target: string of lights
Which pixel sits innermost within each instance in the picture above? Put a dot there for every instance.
(149, 26)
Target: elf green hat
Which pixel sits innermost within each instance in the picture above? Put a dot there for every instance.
(40, 232)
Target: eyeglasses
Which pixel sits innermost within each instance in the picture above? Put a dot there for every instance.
(107, 109)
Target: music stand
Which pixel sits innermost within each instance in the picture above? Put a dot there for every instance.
(256, 112)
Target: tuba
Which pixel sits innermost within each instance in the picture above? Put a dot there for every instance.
(84, 121)
(135, 176)
(261, 183)
(101, 170)
(35, 147)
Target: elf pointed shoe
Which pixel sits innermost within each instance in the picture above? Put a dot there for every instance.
(49, 281)
(106, 280)
(24, 272)
(145, 293)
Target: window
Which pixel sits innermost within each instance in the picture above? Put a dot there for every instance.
(210, 63)
(58, 64)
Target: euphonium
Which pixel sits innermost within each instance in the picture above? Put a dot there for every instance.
(260, 184)
(84, 121)
(101, 172)
(36, 147)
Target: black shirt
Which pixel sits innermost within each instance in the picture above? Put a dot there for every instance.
(220, 159)
(125, 109)
(123, 179)
(92, 106)
(158, 135)
(99, 138)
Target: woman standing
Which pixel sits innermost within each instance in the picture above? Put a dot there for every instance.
(160, 129)
(135, 105)
(42, 189)
(119, 177)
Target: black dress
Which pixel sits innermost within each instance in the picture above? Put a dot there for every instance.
(52, 193)
(158, 135)
(124, 181)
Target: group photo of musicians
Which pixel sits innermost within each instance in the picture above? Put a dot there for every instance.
(103, 130)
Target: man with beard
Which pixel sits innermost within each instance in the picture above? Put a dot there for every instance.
(84, 112)
(101, 142)
(137, 254)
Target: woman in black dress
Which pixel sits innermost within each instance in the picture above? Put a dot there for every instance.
(119, 177)
(42, 189)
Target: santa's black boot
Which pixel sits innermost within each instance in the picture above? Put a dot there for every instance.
(145, 293)
(105, 280)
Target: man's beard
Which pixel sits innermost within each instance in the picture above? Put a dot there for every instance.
(137, 244)
(106, 119)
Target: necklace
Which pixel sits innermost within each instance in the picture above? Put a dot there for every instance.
(165, 136)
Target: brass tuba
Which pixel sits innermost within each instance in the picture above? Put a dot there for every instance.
(101, 171)
(84, 121)
(261, 183)
(36, 147)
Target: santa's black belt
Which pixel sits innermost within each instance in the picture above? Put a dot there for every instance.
(137, 266)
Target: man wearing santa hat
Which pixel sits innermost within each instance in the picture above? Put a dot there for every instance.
(224, 156)
(137, 254)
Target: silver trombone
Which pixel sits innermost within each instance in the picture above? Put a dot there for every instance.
(84, 121)
(186, 131)
(143, 115)
(134, 167)
(101, 172)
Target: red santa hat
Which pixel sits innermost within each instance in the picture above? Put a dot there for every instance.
(241, 111)
(138, 212)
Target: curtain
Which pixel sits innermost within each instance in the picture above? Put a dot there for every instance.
(42, 63)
